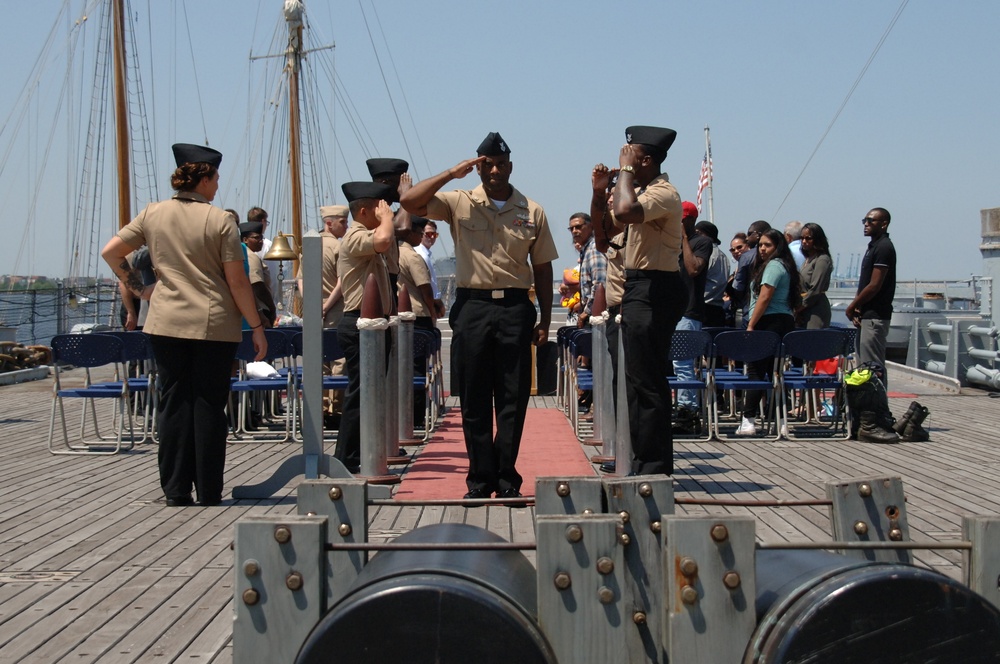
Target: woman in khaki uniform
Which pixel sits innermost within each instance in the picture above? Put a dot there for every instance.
(193, 322)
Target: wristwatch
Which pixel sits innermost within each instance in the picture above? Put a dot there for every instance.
(627, 169)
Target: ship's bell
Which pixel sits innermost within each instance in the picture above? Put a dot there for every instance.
(280, 250)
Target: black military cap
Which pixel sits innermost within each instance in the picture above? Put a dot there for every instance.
(188, 153)
(358, 190)
(658, 138)
(248, 227)
(382, 167)
(493, 145)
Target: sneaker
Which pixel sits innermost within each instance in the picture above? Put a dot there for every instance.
(747, 428)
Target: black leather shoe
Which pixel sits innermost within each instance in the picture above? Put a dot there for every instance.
(210, 502)
(180, 501)
(608, 467)
(509, 492)
(477, 494)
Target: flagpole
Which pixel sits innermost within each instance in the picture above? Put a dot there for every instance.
(711, 187)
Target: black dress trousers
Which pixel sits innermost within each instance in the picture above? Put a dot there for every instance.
(349, 436)
(193, 376)
(653, 303)
(491, 347)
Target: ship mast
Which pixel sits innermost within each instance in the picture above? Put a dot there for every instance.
(293, 16)
(121, 117)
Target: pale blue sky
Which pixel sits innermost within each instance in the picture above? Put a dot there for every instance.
(560, 81)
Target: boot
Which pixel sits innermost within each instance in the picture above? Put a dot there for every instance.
(914, 432)
(871, 431)
(900, 424)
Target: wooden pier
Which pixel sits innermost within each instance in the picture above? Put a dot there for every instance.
(94, 567)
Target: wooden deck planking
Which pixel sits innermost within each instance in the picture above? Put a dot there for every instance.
(133, 580)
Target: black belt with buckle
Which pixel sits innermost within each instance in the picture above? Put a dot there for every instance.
(495, 294)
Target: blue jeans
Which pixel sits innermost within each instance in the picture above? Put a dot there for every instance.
(684, 369)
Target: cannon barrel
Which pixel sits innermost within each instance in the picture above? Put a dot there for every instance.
(435, 606)
(814, 606)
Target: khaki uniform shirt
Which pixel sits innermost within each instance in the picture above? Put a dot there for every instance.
(189, 240)
(256, 270)
(392, 257)
(358, 259)
(492, 246)
(331, 254)
(413, 274)
(655, 244)
(615, 279)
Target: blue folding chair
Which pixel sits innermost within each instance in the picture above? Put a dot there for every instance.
(88, 351)
(811, 346)
(138, 352)
(694, 345)
(744, 346)
(424, 342)
(580, 346)
(564, 366)
(244, 386)
(331, 353)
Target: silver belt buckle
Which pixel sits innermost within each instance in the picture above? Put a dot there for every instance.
(497, 294)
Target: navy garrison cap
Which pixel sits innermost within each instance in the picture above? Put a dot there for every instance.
(357, 190)
(188, 153)
(251, 227)
(493, 145)
(383, 167)
(658, 138)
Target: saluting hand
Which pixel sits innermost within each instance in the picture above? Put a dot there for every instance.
(600, 178)
(383, 212)
(405, 183)
(461, 170)
(628, 156)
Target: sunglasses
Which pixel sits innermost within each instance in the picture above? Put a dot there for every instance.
(431, 234)
(869, 220)
(575, 228)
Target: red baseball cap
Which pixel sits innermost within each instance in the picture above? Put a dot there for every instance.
(690, 209)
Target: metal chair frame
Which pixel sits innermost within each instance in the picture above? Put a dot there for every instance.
(694, 345)
(811, 346)
(277, 348)
(89, 351)
(745, 346)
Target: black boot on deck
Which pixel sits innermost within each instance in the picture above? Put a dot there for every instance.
(871, 431)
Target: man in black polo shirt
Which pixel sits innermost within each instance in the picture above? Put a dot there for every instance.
(871, 308)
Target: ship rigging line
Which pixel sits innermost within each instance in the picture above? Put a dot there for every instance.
(843, 104)
(392, 102)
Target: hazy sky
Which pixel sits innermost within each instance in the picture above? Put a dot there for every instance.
(560, 81)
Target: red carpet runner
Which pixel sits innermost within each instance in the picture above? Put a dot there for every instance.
(548, 447)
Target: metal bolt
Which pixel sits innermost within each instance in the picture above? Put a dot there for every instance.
(251, 568)
(624, 539)
(689, 595)
(895, 534)
(625, 516)
(688, 566)
(574, 534)
(335, 493)
(605, 565)
(310, 513)
(865, 490)
(282, 534)
(639, 617)
(719, 533)
(645, 489)
(731, 580)
(562, 580)
(860, 527)
(892, 512)
(588, 512)
(605, 595)
(250, 596)
(293, 581)
(562, 489)
(655, 526)
(344, 529)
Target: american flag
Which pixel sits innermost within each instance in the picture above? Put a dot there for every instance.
(706, 175)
